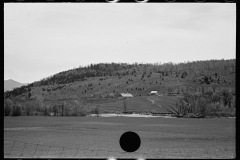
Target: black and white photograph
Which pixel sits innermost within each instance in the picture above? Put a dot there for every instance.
(119, 80)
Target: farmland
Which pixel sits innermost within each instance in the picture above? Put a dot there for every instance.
(142, 104)
(37, 136)
(50, 118)
(201, 88)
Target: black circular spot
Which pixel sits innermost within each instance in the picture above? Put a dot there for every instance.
(130, 141)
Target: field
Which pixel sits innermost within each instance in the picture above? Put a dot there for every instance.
(81, 137)
(142, 104)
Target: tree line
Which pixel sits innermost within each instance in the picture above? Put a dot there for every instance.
(202, 104)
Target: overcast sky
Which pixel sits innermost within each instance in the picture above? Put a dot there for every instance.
(42, 39)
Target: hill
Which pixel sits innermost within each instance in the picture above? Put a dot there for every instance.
(11, 84)
(102, 83)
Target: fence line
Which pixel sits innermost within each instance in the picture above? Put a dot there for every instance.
(24, 152)
(14, 147)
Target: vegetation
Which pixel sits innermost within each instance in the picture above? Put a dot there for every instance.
(42, 108)
(96, 111)
(206, 88)
(124, 106)
(7, 107)
(16, 110)
(208, 72)
(206, 104)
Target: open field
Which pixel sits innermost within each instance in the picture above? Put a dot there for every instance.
(37, 136)
(142, 104)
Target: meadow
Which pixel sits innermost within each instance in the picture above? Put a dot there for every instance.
(94, 137)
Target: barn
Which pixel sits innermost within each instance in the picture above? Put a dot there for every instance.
(154, 92)
(125, 95)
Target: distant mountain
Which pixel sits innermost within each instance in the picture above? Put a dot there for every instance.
(10, 84)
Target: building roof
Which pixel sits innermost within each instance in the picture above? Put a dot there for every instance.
(126, 94)
(154, 92)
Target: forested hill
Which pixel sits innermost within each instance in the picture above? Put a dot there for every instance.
(111, 78)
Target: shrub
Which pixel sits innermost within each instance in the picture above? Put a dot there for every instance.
(16, 110)
(28, 109)
(61, 106)
(96, 110)
(82, 112)
(215, 98)
(227, 97)
(182, 107)
(46, 110)
(187, 96)
(124, 106)
(208, 104)
(208, 94)
(178, 110)
(234, 103)
(38, 108)
(55, 109)
(196, 95)
(202, 106)
(66, 109)
(216, 107)
(7, 107)
(36, 113)
(75, 111)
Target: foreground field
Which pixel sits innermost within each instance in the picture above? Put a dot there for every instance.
(80, 137)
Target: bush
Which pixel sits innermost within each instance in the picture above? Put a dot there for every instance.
(66, 109)
(38, 108)
(124, 106)
(202, 106)
(208, 94)
(7, 110)
(227, 97)
(82, 112)
(216, 98)
(207, 104)
(74, 111)
(36, 113)
(96, 110)
(215, 107)
(55, 109)
(28, 109)
(16, 110)
(46, 110)
(179, 109)
(7, 107)
(234, 102)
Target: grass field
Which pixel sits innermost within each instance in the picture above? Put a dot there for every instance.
(142, 104)
(37, 136)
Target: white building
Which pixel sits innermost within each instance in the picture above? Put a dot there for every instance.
(126, 95)
(154, 92)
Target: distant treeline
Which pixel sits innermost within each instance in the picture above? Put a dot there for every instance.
(40, 108)
(195, 68)
(192, 105)
(202, 104)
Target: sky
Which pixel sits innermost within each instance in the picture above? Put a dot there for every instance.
(43, 39)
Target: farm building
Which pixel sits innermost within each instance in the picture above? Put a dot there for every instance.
(125, 95)
(154, 92)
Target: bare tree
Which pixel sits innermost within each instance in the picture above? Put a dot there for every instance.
(125, 105)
